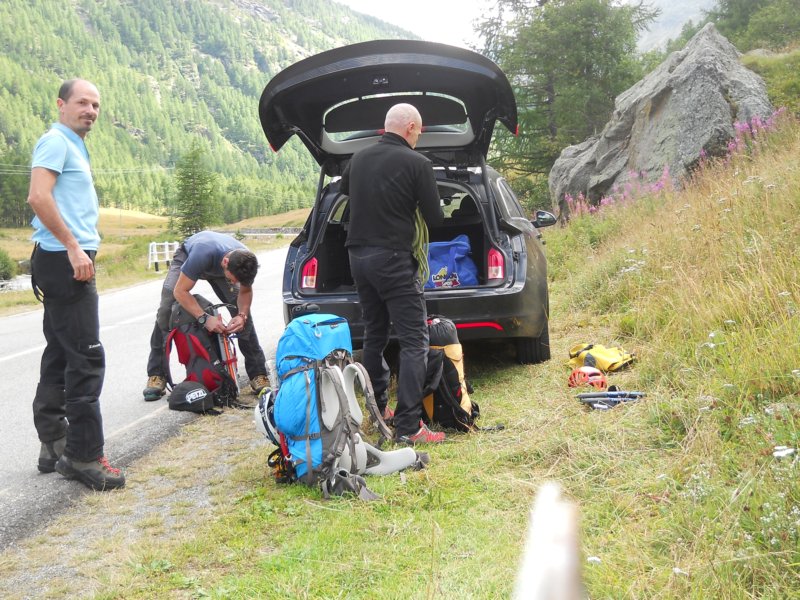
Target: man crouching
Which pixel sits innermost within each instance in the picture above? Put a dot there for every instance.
(230, 268)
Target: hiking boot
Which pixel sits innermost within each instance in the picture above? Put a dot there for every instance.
(423, 436)
(50, 453)
(156, 387)
(258, 383)
(388, 416)
(95, 474)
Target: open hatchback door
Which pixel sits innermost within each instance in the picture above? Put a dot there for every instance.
(336, 101)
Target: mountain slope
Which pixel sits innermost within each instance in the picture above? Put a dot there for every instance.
(170, 72)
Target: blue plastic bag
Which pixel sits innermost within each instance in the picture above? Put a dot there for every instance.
(450, 264)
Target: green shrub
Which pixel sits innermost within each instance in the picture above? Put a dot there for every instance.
(8, 268)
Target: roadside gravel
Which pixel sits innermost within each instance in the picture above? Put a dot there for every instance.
(169, 494)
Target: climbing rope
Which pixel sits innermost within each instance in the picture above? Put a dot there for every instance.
(420, 245)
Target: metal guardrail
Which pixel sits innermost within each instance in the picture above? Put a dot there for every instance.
(19, 283)
(161, 252)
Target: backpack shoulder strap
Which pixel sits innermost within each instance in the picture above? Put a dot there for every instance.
(337, 416)
(167, 349)
(356, 371)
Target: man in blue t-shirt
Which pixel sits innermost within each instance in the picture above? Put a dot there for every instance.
(66, 408)
(230, 268)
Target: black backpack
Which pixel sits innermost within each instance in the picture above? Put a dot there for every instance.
(446, 396)
(202, 354)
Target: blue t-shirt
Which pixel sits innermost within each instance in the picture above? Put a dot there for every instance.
(206, 250)
(62, 150)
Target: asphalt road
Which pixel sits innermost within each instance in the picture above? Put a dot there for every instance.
(29, 499)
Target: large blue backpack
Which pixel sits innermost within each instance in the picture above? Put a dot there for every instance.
(316, 413)
(309, 343)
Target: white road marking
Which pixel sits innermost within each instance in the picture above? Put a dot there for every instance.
(104, 328)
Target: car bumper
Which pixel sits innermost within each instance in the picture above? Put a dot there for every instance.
(493, 313)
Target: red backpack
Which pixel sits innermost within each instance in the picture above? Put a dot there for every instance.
(209, 359)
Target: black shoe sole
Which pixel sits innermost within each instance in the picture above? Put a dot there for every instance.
(153, 397)
(47, 465)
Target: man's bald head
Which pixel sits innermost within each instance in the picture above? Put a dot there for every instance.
(404, 120)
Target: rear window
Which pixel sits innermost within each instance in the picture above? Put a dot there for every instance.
(364, 117)
(507, 201)
(339, 215)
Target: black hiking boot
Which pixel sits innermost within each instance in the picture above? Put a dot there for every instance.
(50, 453)
(95, 474)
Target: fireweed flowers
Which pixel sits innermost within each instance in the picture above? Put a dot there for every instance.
(635, 187)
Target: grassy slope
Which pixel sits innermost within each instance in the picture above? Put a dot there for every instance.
(780, 72)
(679, 494)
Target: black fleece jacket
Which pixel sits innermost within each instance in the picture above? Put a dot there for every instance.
(386, 183)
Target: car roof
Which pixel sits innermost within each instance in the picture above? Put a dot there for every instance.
(336, 101)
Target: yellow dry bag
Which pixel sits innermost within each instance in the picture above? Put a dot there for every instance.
(600, 357)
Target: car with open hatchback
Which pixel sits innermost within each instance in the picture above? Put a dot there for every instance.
(335, 102)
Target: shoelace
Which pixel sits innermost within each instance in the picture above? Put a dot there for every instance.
(104, 463)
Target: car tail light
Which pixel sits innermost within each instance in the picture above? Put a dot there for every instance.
(497, 265)
(309, 279)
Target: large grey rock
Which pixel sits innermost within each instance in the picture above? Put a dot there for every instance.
(686, 105)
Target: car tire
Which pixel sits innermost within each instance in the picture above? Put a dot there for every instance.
(531, 350)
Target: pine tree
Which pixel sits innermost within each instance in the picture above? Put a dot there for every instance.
(197, 200)
(567, 60)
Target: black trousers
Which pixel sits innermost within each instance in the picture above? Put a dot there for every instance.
(390, 294)
(67, 400)
(255, 363)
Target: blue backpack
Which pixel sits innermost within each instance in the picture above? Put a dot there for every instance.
(316, 413)
(309, 343)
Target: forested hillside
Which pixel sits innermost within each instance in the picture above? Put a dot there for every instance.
(170, 73)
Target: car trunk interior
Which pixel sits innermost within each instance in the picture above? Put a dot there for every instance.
(461, 217)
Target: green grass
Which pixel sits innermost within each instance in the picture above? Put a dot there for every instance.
(780, 73)
(679, 494)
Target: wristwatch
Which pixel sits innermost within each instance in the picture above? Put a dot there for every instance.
(201, 320)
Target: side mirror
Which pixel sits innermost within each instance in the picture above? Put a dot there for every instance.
(543, 219)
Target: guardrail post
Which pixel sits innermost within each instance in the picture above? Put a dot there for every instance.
(159, 252)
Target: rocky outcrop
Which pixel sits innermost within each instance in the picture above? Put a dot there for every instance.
(685, 107)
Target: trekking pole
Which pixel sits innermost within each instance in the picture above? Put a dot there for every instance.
(226, 346)
(231, 360)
